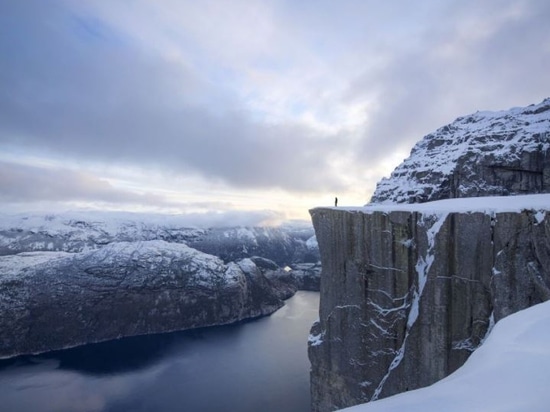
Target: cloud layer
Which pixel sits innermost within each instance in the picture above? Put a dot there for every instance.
(307, 98)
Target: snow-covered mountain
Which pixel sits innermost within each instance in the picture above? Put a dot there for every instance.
(457, 238)
(54, 300)
(81, 231)
(74, 278)
(484, 154)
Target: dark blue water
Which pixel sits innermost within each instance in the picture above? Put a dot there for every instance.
(259, 365)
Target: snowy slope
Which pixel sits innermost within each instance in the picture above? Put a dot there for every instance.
(510, 372)
(483, 154)
(492, 204)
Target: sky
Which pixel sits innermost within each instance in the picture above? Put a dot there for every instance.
(246, 109)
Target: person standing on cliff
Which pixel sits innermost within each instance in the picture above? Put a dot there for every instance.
(335, 202)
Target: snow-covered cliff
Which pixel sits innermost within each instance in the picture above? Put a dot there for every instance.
(457, 238)
(409, 291)
(508, 373)
(483, 154)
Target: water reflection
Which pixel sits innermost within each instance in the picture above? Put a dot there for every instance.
(256, 365)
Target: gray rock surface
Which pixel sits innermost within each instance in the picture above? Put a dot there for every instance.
(54, 300)
(483, 154)
(406, 296)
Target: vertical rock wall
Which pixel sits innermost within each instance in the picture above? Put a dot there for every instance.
(407, 296)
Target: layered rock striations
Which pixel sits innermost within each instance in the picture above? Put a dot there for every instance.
(484, 154)
(408, 293)
(53, 300)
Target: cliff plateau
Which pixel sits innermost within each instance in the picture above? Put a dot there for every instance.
(408, 292)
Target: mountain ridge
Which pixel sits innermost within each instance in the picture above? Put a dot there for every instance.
(487, 153)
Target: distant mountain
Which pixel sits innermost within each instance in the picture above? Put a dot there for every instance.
(483, 154)
(80, 231)
(75, 278)
(55, 300)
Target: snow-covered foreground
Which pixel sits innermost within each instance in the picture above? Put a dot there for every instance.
(510, 372)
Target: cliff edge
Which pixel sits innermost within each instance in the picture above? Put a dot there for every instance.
(409, 291)
(454, 240)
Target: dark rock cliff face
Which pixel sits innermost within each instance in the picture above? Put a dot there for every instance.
(406, 296)
(54, 300)
(483, 154)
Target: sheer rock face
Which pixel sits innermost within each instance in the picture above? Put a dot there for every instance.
(407, 296)
(54, 300)
(484, 154)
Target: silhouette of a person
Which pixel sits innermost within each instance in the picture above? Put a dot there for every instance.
(335, 202)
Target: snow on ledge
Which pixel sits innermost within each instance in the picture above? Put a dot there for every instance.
(489, 204)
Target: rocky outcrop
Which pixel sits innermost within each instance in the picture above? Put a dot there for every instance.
(408, 293)
(304, 276)
(53, 300)
(483, 154)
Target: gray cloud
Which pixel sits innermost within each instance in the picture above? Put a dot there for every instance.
(478, 56)
(77, 88)
(23, 183)
(44, 186)
(75, 85)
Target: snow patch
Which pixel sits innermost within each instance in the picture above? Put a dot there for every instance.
(311, 243)
(316, 340)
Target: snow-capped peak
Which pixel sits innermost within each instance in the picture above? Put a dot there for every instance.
(483, 154)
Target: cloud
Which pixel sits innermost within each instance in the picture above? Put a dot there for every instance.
(24, 183)
(43, 186)
(309, 98)
(477, 56)
(88, 92)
